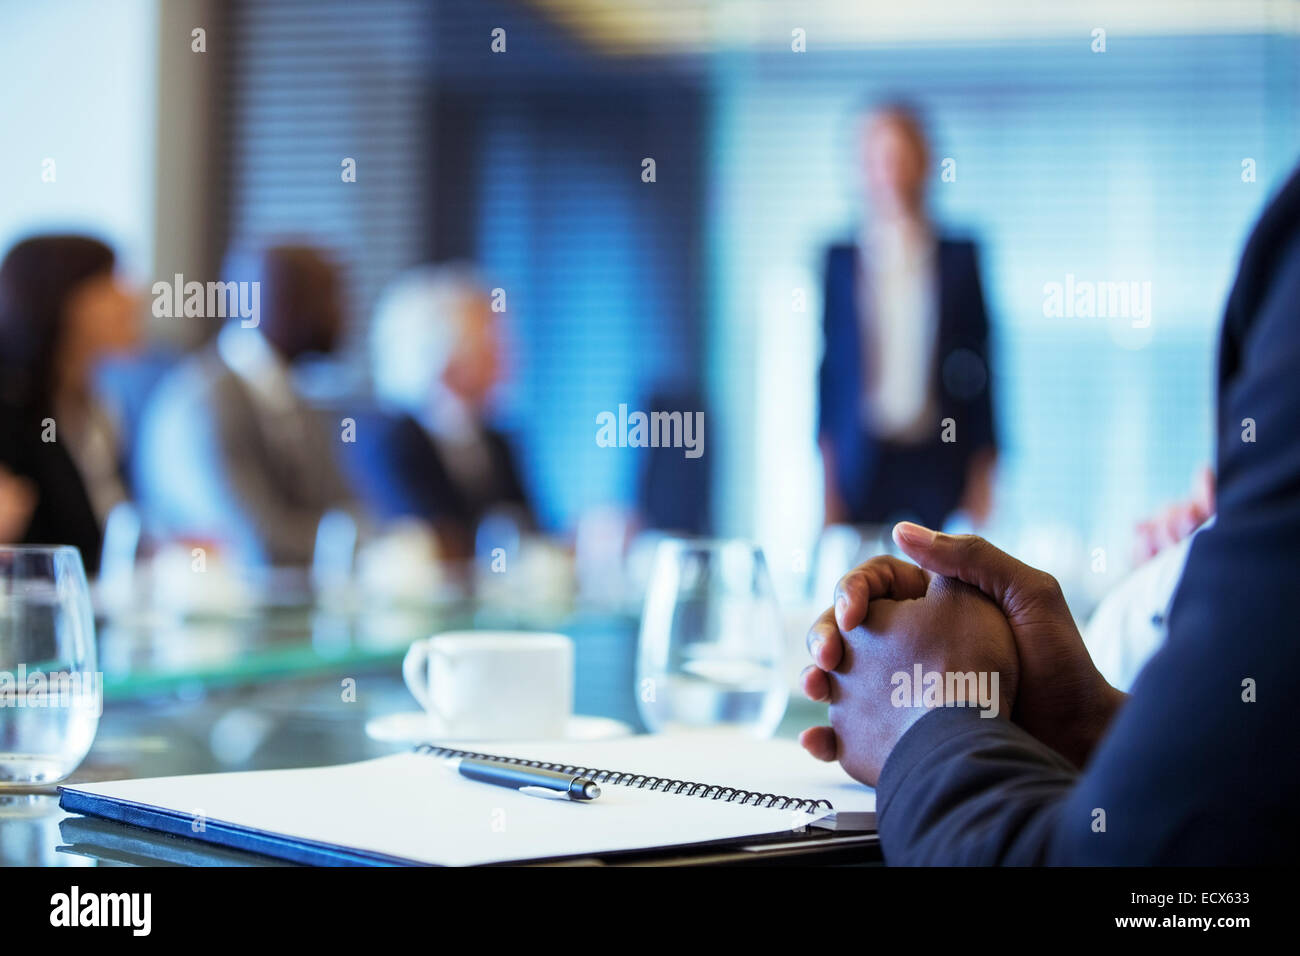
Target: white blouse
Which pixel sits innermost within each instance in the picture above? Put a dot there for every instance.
(897, 312)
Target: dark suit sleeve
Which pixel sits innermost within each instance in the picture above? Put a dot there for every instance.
(826, 396)
(63, 513)
(964, 789)
(10, 447)
(1199, 767)
(512, 483)
(982, 427)
(407, 475)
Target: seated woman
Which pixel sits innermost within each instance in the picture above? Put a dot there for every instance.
(62, 310)
(430, 454)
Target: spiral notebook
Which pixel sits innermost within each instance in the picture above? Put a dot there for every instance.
(410, 808)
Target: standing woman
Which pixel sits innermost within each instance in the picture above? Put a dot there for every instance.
(62, 310)
(906, 419)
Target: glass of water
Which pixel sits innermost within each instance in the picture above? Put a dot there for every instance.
(51, 694)
(711, 640)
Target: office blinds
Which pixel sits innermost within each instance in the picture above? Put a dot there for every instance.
(1123, 166)
(312, 84)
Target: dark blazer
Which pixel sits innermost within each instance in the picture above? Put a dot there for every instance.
(398, 472)
(878, 480)
(1198, 767)
(63, 512)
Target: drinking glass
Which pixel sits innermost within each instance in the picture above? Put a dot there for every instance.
(710, 648)
(50, 690)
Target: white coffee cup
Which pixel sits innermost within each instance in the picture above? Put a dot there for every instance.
(479, 685)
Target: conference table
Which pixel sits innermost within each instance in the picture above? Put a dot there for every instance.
(297, 686)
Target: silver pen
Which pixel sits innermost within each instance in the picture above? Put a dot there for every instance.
(533, 781)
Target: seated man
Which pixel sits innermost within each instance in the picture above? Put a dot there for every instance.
(1198, 764)
(430, 453)
(229, 450)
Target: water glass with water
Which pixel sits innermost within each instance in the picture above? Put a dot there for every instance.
(51, 693)
(711, 645)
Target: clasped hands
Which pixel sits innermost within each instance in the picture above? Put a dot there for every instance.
(965, 608)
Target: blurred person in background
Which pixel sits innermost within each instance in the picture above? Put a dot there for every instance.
(229, 449)
(62, 310)
(906, 349)
(430, 453)
(1177, 521)
(1128, 626)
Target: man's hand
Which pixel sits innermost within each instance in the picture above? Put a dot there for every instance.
(875, 693)
(1062, 698)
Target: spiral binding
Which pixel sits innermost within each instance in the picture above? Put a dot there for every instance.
(642, 781)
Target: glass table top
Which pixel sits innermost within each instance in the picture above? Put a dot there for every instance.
(280, 688)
